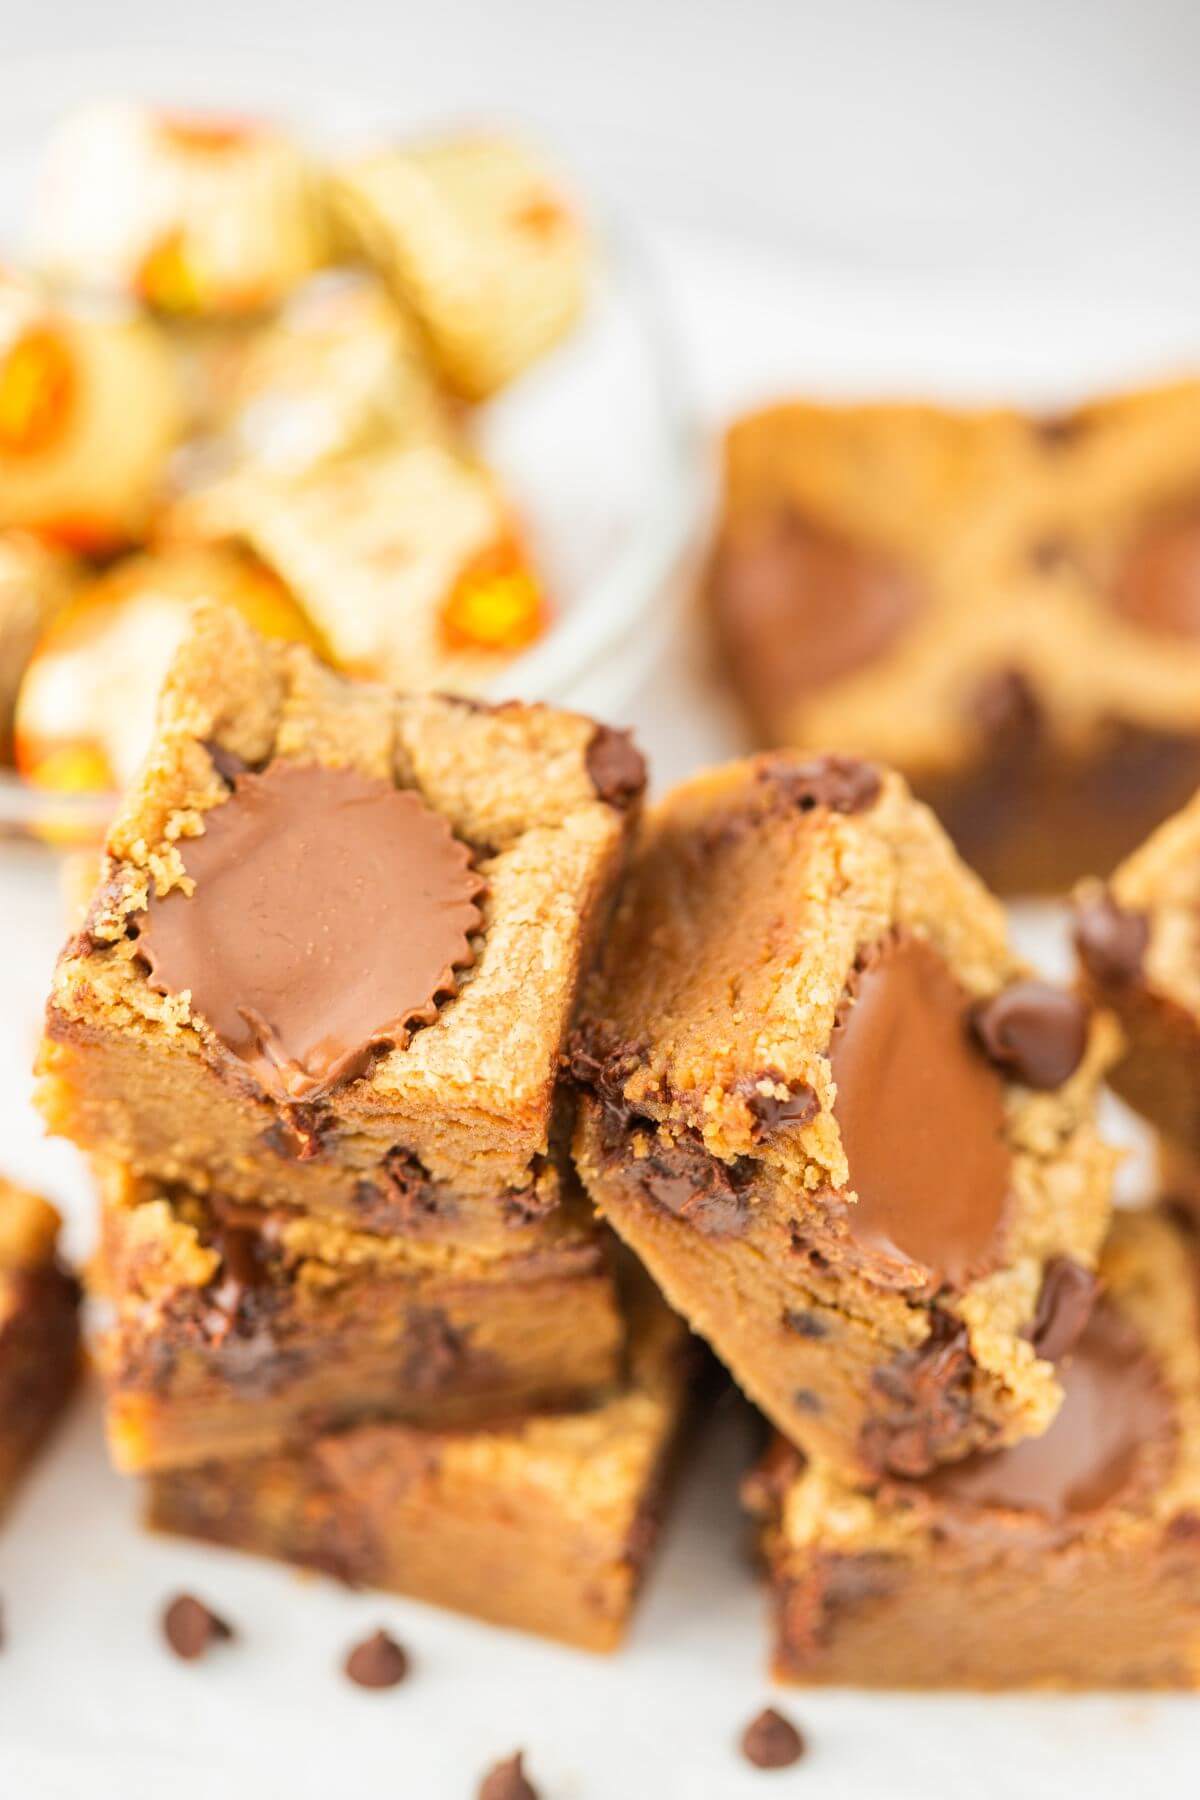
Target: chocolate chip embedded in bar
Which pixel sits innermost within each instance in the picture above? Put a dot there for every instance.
(1111, 941)
(844, 1128)
(1034, 1032)
(1003, 607)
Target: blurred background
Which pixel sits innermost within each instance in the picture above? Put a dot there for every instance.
(889, 134)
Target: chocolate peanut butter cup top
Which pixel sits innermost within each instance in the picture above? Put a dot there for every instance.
(921, 1114)
(1114, 1403)
(1158, 584)
(803, 607)
(329, 913)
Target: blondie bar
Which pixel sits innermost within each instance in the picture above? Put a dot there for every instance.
(39, 1331)
(998, 605)
(1138, 937)
(848, 1133)
(236, 1331)
(337, 942)
(1071, 1560)
(544, 1524)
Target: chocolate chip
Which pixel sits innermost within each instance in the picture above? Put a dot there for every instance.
(804, 1400)
(228, 764)
(616, 767)
(805, 1324)
(508, 1781)
(191, 1628)
(1006, 707)
(684, 1180)
(929, 1394)
(1049, 555)
(603, 1067)
(1111, 941)
(772, 1742)
(378, 1662)
(1064, 1307)
(1035, 1033)
(435, 1350)
(1055, 431)
(842, 783)
(798, 1106)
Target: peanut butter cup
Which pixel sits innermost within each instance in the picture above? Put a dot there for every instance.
(328, 914)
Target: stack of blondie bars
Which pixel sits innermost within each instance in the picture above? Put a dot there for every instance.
(853, 1139)
(389, 1018)
(310, 1035)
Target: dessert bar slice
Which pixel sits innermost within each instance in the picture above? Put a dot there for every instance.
(1138, 938)
(235, 1331)
(848, 1133)
(1001, 606)
(39, 1331)
(1071, 1560)
(545, 1524)
(337, 942)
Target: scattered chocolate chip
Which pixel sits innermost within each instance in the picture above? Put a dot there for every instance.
(1184, 1528)
(842, 783)
(805, 1324)
(1064, 1307)
(804, 1400)
(797, 1106)
(508, 1781)
(616, 767)
(1033, 1032)
(191, 1628)
(1111, 941)
(378, 1662)
(772, 1742)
